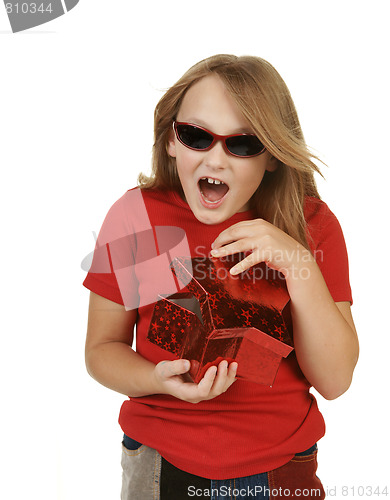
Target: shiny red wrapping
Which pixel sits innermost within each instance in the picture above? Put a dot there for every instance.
(219, 316)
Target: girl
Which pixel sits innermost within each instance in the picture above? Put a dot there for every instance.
(230, 169)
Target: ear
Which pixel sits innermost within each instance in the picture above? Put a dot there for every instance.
(171, 146)
(272, 164)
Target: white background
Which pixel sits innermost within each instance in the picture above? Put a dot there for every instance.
(77, 98)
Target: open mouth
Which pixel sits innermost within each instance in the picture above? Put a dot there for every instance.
(212, 190)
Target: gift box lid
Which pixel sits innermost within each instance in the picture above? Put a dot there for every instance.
(255, 298)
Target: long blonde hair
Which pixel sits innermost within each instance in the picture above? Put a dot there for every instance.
(266, 103)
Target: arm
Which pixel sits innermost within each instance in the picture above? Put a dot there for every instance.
(108, 354)
(325, 338)
(111, 361)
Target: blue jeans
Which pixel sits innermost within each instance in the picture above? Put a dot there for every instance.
(296, 479)
(257, 486)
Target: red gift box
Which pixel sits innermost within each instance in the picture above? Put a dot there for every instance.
(219, 316)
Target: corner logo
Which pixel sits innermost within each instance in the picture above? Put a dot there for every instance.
(26, 14)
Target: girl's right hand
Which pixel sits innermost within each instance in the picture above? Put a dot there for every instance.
(172, 378)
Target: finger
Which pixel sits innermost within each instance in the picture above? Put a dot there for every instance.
(227, 236)
(207, 382)
(180, 366)
(205, 389)
(234, 232)
(221, 382)
(241, 245)
(266, 254)
(232, 371)
(225, 376)
(249, 261)
(170, 368)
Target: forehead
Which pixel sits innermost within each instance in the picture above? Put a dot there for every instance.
(209, 104)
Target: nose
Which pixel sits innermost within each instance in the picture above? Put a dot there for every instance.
(216, 157)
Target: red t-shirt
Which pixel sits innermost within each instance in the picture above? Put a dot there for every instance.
(251, 428)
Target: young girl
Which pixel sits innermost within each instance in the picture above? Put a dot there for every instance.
(231, 173)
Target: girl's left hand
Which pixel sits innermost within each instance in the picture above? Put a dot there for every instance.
(267, 243)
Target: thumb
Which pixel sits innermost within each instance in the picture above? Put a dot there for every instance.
(180, 366)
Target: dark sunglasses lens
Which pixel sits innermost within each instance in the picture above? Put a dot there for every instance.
(194, 137)
(244, 145)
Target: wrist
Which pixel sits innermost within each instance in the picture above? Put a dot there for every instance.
(302, 276)
(293, 261)
(159, 377)
(146, 382)
(156, 382)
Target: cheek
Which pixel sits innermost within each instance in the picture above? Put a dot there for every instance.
(183, 167)
(253, 177)
(186, 159)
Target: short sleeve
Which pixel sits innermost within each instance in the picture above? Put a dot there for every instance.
(131, 263)
(114, 249)
(330, 251)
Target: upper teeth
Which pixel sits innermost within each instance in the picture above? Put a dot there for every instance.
(212, 181)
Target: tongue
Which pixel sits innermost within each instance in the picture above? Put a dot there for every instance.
(212, 192)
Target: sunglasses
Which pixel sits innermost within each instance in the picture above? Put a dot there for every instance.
(200, 139)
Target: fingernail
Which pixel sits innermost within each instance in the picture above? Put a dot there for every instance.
(215, 252)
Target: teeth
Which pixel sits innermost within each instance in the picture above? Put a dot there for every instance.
(212, 181)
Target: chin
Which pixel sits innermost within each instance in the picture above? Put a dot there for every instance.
(210, 218)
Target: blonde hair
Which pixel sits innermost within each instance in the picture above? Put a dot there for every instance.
(266, 103)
